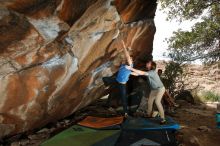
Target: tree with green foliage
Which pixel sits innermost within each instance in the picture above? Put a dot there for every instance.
(203, 40)
(172, 77)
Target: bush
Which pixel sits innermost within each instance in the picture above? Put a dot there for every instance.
(173, 77)
(210, 96)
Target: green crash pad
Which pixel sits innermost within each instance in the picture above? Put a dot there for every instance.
(82, 136)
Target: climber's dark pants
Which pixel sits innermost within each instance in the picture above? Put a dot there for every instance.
(108, 81)
(123, 95)
(122, 91)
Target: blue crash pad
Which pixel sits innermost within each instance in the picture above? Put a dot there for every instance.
(149, 124)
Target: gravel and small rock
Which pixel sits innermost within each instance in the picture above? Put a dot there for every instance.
(198, 126)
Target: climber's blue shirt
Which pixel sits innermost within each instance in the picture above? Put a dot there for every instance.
(123, 74)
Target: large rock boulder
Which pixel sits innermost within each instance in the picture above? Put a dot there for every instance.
(54, 53)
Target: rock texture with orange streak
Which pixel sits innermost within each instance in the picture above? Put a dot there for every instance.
(54, 53)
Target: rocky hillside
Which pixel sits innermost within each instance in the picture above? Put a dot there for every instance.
(203, 78)
(200, 77)
(53, 54)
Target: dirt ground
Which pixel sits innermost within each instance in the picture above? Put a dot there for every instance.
(198, 125)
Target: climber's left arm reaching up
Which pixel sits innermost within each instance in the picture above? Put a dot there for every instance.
(127, 55)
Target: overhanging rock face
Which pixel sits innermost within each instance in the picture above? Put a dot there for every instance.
(53, 54)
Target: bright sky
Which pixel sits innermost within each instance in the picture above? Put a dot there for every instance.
(165, 30)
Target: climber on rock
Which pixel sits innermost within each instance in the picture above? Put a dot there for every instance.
(122, 78)
(157, 88)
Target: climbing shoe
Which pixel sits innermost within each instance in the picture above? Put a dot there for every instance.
(126, 115)
(163, 121)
